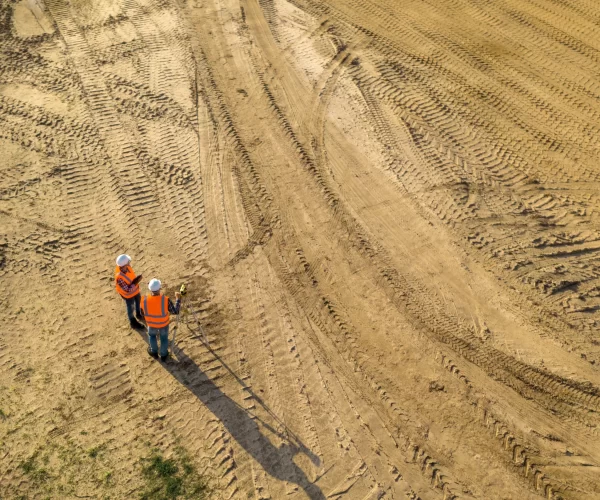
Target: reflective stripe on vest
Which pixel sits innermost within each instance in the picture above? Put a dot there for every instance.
(156, 310)
(128, 276)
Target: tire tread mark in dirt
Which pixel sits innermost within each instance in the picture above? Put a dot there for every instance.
(389, 48)
(310, 165)
(432, 34)
(206, 432)
(255, 198)
(82, 160)
(269, 373)
(141, 102)
(521, 454)
(387, 276)
(529, 202)
(136, 190)
(516, 374)
(504, 175)
(326, 316)
(270, 12)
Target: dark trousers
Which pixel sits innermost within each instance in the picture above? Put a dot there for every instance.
(133, 303)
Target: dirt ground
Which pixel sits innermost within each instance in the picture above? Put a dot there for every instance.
(387, 215)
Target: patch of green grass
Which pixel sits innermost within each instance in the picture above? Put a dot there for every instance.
(107, 477)
(61, 467)
(36, 473)
(29, 465)
(95, 451)
(172, 478)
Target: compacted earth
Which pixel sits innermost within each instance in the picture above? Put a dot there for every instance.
(386, 213)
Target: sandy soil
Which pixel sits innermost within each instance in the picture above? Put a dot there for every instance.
(387, 214)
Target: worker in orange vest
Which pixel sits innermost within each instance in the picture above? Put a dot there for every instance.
(126, 283)
(156, 309)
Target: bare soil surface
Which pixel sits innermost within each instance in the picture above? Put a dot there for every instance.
(387, 216)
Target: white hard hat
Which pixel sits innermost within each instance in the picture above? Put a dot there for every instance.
(154, 285)
(123, 260)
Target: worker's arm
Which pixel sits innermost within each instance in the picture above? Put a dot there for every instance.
(174, 309)
(126, 287)
(137, 279)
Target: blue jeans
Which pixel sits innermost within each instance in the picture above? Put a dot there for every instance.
(133, 303)
(164, 339)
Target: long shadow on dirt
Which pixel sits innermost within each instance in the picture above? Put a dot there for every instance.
(244, 426)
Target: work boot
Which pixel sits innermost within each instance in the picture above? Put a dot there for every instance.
(136, 325)
(164, 358)
(153, 354)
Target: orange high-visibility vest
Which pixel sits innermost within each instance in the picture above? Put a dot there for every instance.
(156, 310)
(128, 277)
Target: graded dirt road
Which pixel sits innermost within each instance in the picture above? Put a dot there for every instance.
(387, 215)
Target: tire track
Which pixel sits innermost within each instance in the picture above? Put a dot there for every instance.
(515, 374)
(551, 208)
(300, 149)
(137, 190)
(285, 123)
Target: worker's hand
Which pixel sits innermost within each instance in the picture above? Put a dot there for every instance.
(137, 279)
(177, 295)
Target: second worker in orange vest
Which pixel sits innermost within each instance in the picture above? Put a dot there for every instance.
(156, 309)
(126, 283)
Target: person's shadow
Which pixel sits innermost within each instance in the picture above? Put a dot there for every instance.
(244, 426)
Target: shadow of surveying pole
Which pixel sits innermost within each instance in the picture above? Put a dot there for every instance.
(243, 426)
